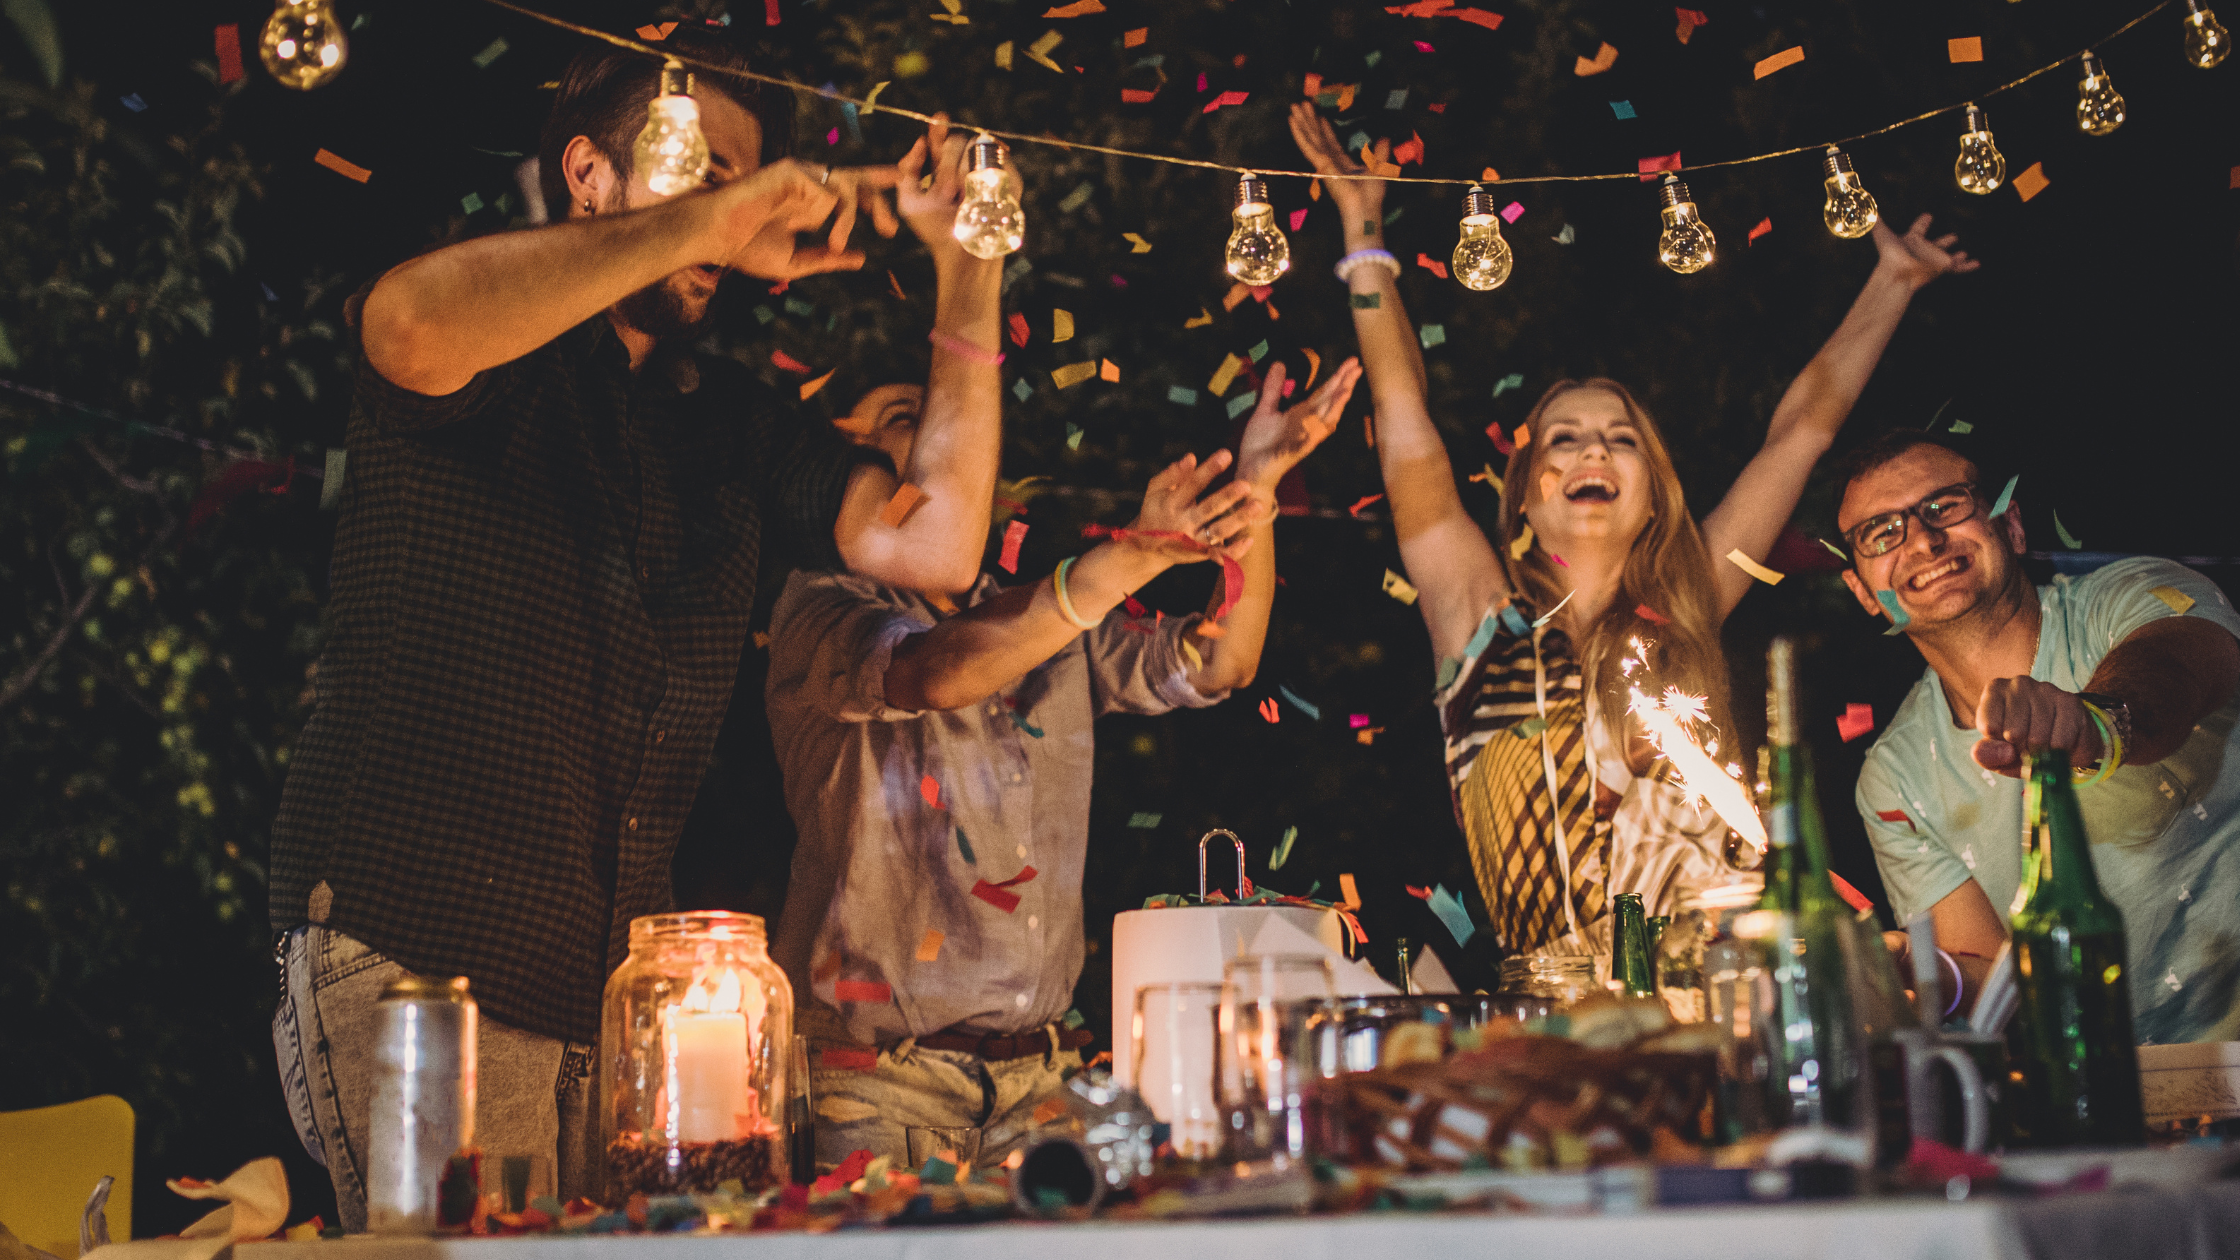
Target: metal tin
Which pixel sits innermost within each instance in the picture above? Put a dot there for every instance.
(423, 1101)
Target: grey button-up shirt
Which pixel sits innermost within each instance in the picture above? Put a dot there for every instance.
(881, 869)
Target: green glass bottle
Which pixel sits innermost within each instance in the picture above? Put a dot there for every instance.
(2080, 1067)
(1631, 968)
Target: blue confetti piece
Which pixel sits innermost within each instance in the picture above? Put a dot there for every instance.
(1356, 142)
(1432, 335)
(1514, 621)
(1144, 822)
(1454, 914)
(1514, 380)
(1623, 109)
(471, 202)
(1484, 637)
(1449, 670)
(1073, 437)
(1899, 617)
(1021, 390)
(269, 295)
(1183, 394)
(1259, 352)
(964, 846)
(134, 103)
(2006, 496)
(1023, 724)
(1243, 403)
(1302, 706)
(1283, 849)
(848, 119)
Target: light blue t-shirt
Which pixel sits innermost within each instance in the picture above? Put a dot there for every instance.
(2165, 837)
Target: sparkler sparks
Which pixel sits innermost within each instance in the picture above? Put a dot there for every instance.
(1667, 723)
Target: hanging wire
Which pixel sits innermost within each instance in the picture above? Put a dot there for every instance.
(868, 108)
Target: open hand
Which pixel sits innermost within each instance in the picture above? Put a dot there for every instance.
(1915, 258)
(1276, 439)
(759, 218)
(1359, 200)
(2022, 715)
(1171, 505)
(931, 211)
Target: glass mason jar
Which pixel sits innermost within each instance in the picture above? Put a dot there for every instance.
(1534, 985)
(696, 1038)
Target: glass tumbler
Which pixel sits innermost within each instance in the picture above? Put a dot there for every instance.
(1175, 1037)
(1268, 1002)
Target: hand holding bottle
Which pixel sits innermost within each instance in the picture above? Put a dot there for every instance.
(2022, 715)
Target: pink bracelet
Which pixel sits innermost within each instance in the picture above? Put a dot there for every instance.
(964, 349)
(1957, 982)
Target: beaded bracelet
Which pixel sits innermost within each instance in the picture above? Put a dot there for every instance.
(964, 349)
(2111, 748)
(1957, 982)
(1368, 257)
(1065, 603)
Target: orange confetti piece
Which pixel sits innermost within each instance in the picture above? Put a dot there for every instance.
(1412, 151)
(1269, 710)
(1604, 58)
(929, 946)
(1477, 17)
(1314, 190)
(1135, 38)
(2032, 181)
(342, 166)
(897, 287)
(1969, 49)
(1781, 60)
(1490, 175)
(229, 53)
(1355, 510)
(1108, 370)
(1753, 568)
(1080, 8)
(809, 388)
(931, 790)
(1236, 295)
(787, 362)
(1314, 367)
(1651, 615)
(899, 507)
(1524, 435)
(1049, 1109)
(1369, 429)
(1432, 265)
(1351, 890)
(1136, 96)
(1690, 19)
(654, 33)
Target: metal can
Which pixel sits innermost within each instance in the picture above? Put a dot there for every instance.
(423, 1100)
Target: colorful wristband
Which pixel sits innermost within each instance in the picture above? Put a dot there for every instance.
(964, 349)
(1366, 257)
(2111, 747)
(1065, 602)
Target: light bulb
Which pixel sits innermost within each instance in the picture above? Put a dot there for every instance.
(1979, 168)
(1257, 253)
(2099, 108)
(1481, 258)
(2206, 42)
(303, 44)
(671, 151)
(1686, 244)
(990, 221)
(1849, 211)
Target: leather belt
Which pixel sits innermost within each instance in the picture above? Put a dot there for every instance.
(999, 1046)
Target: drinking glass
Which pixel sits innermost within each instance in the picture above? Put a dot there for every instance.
(1797, 1062)
(1175, 1039)
(1267, 1004)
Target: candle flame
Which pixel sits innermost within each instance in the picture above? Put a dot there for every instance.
(716, 993)
(1666, 721)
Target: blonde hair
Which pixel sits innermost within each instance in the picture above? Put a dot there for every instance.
(1666, 569)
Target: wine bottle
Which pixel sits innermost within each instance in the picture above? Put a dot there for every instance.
(2080, 1067)
(1630, 973)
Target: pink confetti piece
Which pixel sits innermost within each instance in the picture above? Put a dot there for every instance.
(1201, 80)
(1513, 211)
(1423, 47)
(769, 12)
(1857, 720)
(1650, 166)
(832, 137)
(1014, 534)
(1560, 563)
(1357, 721)
(1298, 219)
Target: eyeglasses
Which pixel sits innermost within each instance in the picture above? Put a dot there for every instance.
(1880, 535)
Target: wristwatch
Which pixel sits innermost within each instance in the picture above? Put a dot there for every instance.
(2119, 717)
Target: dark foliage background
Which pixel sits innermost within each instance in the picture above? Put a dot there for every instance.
(184, 265)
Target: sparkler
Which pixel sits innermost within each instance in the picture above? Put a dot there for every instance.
(1667, 720)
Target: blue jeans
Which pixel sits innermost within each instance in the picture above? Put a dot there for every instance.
(915, 1102)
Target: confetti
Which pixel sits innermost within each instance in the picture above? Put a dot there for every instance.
(1018, 325)
(1851, 896)
(1039, 50)
(342, 166)
(929, 945)
(138, 106)
(1367, 301)
(1061, 326)
(1490, 175)
(1143, 822)
(2178, 600)
(2066, 540)
(1225, 99)
(848, 1058)
(1895, 816)
(1073, 374)
(1493, 431)
(1073, 437)
(1357, 720)
(229, 53)
(1003, 55)
(1765, 225)
(1313, 712)
(1488, 476)
(1135, 38)
(1079, 197)
(1650, 167)
(1524, 435)
(1235, 297)
(1314, 366)
(770, 15)
(1604, 58)
(1204, 318)
(1136, 244)
(1259, 352)
(871, 98)
(1566, 236)
(2032, 181)
(1269, 710)
(1000, 895)
(1107, 370)
(931, 790)
(1398, 587)
(1243, 403)
(1857, 720)
(1432, 265)
(1299, 217)
(471, 203)
(2006, 496)
(1779, 61)
(1397, 98)
(1899, 617)
(1753, 568)
(1512, 212)
(809, 388)
(1623, 109)
(1451, 912)
(1224, 375)
(1512, 620)
(786, 362)
(1355, 510)
(964, 848)
(1833, 550)
(654, 33)
(495, 50)
(1283, 849)
(862, 991)
(1651, 615)
(1014, 534)
(1351, 892)
(1514, 380)
(1690, 19)
(1968, 49)
(1049, 1109)
(1190, 654)
(1182, 394)
(1021, 390)
(1079, 8)
(1432, 335)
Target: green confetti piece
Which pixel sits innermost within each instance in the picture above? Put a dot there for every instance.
(1143, 822)
(1021, 390)
(1243, 403)
(1327, 100)
(1566, 236)
(1183, 394)
(964, 847)
(1369, 226)
(1259, 352)
(470, 203)
(1078, 198)
(1356, 142)
(1961, 426)
(496, 50)
(2006, 496)
(1530, 727)
(1312, 711)
(1393, 215)
(795, 306)
(1017, 267)
(1283, 849)
(2066, 541)
(1432, 335)
(1072, 1019)
(1514, 380)
(1899, 617)
(764, 314)
(1367, 301)
(1623, 109)
(1073, 437)
(1453, 913)
(1449, 670)
(505, 203)
(1834, 550)
(1374, 57)
(1397, 98)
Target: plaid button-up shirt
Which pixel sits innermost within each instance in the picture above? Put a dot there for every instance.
(542, 585)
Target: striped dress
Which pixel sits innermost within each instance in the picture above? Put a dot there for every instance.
(1523, 770)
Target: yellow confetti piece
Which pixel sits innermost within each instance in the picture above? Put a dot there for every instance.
(1039, 51)
(1226, 373)
(1204, 317)
(1003, 55)
(1521, 543)
(1073, 374)
(953, 19)
(1968, 49)
(871, 100)
(929, 948)
(2178, 600)
(1398, 587)
(1314, 190)
(1079, 8)
(1061, 326)
(1351, 891)
(809, 388)
(1108, 370)
(342, 166)
(1781, 60)
(306, 1232)
(1489, 476)
(1604, 58)
(2032, 182)
(941, 601)
(1190, 654)
(1235, 296)
(1753, 568)
(1141, 246)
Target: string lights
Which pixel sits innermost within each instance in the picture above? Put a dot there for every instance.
(1849, 210)
(990, 220)
(2099, 107)
(671, 151)
(303, 45)
(1257, 252)
(2206, 42)
(1481, 258)
(1980, 168)
(1686, 244)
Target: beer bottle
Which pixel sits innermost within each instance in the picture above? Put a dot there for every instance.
(1631, 970)
(2080, 1068)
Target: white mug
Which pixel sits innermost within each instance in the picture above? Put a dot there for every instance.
(1924, 1050)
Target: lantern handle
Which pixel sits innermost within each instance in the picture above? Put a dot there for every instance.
(1219, 831)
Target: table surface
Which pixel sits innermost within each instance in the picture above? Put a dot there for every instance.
(2202, 1224)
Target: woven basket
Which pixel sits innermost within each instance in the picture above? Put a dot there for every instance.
(1523, 1101)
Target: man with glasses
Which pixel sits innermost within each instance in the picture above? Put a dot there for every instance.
(2130, 669)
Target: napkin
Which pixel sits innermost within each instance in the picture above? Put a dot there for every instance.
(255, 1203)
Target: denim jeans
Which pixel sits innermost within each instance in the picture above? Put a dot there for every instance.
(898, 1107)
(533, 1094)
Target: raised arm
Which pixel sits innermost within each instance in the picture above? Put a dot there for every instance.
(432, 323)
(954, 458)
(2169, 674)
(1447, 556)
(1817, 403)
(966, 658)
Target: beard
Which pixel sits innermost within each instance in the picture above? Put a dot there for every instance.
(663, 310)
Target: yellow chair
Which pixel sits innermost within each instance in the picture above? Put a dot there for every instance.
(50, 1160)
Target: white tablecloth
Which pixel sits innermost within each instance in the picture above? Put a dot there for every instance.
(2161, 1225)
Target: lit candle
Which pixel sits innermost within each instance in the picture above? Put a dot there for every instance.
(707, 1051)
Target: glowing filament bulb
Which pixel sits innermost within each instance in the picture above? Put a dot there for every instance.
(1686, 244)
(990, 220)
(303, 44)
(2099, 108)
(2206, 42)
(671, 151)
(1481, 258)
(1979, 169)
(1849, 211)
(1257, 253)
